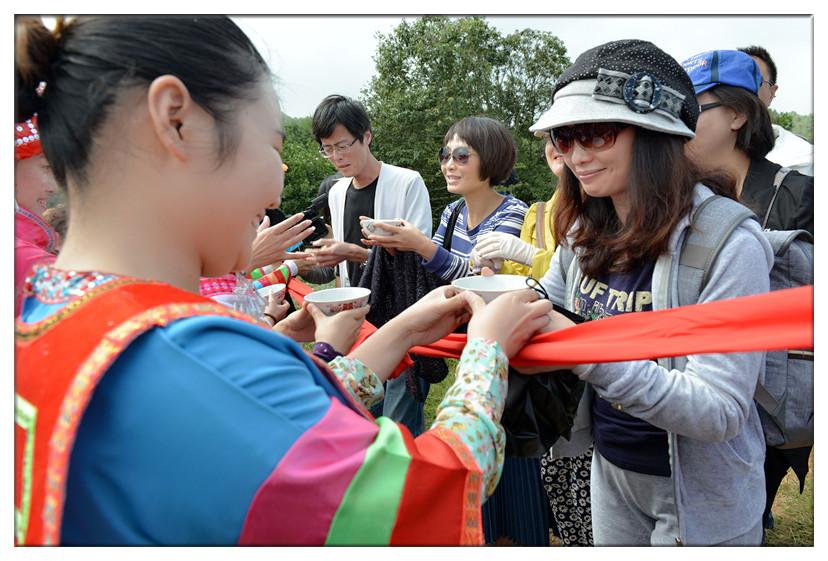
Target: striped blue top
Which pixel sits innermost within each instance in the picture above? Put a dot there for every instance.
(507, 217)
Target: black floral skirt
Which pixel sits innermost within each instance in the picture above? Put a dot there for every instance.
(566, 481)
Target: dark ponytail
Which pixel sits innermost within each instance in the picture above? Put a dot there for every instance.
(87, 63)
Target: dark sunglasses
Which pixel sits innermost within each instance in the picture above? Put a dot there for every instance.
(460, 155)
(591, 136)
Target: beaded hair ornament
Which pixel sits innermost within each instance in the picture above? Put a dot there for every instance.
(27, 139)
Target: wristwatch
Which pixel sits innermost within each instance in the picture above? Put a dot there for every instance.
(325, 352)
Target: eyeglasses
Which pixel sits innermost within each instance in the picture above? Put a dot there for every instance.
(460, 155)
(768, 82)
(342, 147)
(591, 136)
(706, 106)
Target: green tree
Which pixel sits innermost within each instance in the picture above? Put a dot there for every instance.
(435, 70)
(803, 125)
(306, 167)
(785, 120)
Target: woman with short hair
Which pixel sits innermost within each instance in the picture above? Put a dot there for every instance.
(478, 155)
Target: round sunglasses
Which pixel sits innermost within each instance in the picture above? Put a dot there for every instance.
(460, 155)
(591, 136)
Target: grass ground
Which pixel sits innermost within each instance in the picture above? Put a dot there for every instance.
(793, 513)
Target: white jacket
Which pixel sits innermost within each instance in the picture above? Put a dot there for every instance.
(792, 151)
(401, 193)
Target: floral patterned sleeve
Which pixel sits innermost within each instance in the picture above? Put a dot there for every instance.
(358, 379)
(473, 405)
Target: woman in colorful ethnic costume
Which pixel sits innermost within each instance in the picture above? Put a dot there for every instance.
(147, 414)
(34, 240)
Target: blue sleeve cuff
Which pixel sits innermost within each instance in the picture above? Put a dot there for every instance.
(439, 261)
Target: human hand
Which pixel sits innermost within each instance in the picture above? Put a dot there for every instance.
(511, 319)
(434, 316)
(478, 263)
(500, 245)
(272, 242)
(277, 307)
(298, 326)
(556, 321)
(303, 263)
(328, 252)
(339, 330)
(402, 238)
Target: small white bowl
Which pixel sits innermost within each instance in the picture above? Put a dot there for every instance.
(334, 300)
(277, 289)
(492, 286)
(374, 225)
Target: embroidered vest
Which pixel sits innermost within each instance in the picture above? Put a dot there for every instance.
(59, 362)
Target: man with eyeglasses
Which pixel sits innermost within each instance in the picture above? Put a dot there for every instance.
(790, 150)
(374, 189)
(368, 187)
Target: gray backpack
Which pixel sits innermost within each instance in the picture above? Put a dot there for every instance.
(786, 398)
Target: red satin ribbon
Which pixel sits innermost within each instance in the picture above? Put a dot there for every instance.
(783, 319)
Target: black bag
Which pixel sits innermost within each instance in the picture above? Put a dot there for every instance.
(540, 408)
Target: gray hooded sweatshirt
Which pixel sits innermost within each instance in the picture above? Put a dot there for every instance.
(716, 443)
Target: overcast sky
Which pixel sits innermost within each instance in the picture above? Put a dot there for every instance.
(315, 56)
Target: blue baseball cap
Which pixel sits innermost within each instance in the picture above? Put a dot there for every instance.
(731, 68)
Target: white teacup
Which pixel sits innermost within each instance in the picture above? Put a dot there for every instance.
(277, 289)
(492, 286)
(374, 225)
(333, 300)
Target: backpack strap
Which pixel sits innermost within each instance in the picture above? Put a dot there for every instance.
(781, 173)
(712, 223)
(769, 403)
(539, 220)
(455, 213)
(781, 240)
(566, 265)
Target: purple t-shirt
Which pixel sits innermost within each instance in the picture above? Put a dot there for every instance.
(626, 441)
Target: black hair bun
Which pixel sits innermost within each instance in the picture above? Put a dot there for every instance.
(35, 49)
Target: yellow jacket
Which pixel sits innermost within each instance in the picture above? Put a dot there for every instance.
(528, 233)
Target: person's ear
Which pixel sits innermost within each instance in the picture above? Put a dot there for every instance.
(773, 92)
(737, 120)
(170, 105)
(366, 138)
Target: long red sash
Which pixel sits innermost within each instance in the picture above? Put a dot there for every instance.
(783, 319)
